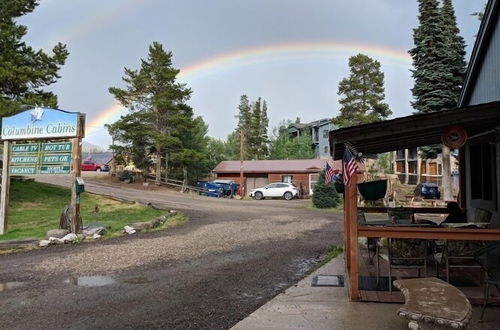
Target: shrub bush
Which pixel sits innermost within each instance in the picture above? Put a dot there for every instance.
(325, 195)
(126, 175)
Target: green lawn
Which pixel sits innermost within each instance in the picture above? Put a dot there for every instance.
(36, 207)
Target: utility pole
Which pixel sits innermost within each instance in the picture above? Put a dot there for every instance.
(242, 138)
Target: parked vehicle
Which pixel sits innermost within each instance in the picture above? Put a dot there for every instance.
(90, 165)
(210, 189)
(229, 186)
(428, 190)
(279, 189)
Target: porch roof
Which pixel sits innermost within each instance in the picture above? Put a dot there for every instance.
(415, 130)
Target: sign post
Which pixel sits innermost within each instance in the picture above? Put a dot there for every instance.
(4, 194)
(35, 142)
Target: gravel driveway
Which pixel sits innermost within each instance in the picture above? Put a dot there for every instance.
(228, 260)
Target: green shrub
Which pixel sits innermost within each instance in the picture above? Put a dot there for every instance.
(325, 195)
(126, 175)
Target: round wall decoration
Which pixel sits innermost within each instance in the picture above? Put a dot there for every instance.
(454, 137)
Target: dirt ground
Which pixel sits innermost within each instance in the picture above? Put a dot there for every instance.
(229, 259)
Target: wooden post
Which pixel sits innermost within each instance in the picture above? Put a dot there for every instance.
(4, 196)
(347, 245)
(242, 184)
(352, 197)
(75, 202)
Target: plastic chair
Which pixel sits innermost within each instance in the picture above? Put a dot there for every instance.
(489, 259)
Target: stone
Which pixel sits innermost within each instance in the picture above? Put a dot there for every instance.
(155, 223)
(55, 240)
(59, 233)
(129, 230)
(96, 236)
(138, 226)
(44, 243)
(162, 219)
(145, 184)
(71, 237)
(94, 229)
(81, 237)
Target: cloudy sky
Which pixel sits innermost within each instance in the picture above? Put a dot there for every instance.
(292, 53)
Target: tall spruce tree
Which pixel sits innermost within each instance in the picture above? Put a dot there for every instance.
(362, 93)
(155, 101)
(439, 69)
(253, 122)
(24, 71)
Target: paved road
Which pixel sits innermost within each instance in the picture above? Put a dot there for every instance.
(228, 260)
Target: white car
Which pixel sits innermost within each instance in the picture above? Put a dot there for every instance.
(280, 189)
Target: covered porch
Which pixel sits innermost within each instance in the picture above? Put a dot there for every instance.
(479, 186)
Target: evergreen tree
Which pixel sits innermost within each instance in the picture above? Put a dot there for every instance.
(156, 103)
(190, 161)
(429, 56)
(282, 146)
(325, 195)
(439, 69)
(362, 93)
(24, 72)
(263, 150)
(253, 121)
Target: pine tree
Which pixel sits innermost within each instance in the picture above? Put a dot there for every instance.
(263, 132)
(362, 93)
(439, 69)
(253, 121)
(325, 195)
(455, 53)
(430, 91)
(24, 72)
(282, 146)
(156, 103)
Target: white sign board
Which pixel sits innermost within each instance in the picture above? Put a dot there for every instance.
(40, 123)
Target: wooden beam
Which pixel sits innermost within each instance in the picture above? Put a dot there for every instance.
(431, 233)
(416, 209)
(352, 197)
(76, 170)
(4, 195)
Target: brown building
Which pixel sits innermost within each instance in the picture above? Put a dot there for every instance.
(302, 173)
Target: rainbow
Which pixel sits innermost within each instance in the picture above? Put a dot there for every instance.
(265, 54)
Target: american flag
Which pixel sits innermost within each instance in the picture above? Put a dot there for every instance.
(349, 167)
(329, 172)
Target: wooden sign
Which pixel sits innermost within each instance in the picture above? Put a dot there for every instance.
(56, 156)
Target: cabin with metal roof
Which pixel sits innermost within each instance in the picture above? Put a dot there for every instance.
(304, 173)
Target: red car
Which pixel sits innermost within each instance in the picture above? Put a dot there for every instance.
(90, 165)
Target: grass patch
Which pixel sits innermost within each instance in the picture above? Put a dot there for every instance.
(333, 252)
(35, 208)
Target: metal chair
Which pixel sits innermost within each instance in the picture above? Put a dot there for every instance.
(460, 254)
(406, 254)
(489, 259)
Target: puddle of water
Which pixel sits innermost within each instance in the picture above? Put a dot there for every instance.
(91, 281)
(136, 280)
(5, 286)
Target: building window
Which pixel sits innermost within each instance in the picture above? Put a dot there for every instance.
(287, 178)
(326, 149)
(481, 172)
(400, 167)
(313, 179)
(400, 154)
(325, 134)
(412, 167)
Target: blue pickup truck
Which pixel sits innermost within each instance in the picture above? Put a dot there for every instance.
(218, 188)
